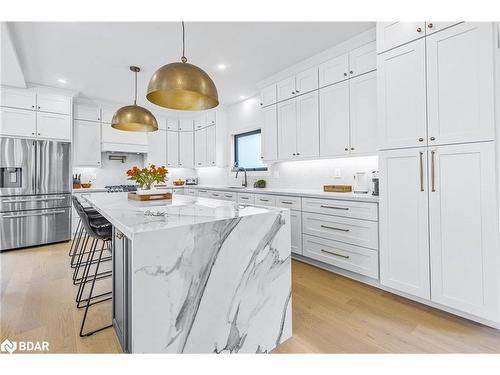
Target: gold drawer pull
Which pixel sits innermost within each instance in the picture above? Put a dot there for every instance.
(334, 228)
(334, 207)
(336, 254)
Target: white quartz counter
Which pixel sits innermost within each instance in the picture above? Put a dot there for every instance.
(308, 193)
(132, 217)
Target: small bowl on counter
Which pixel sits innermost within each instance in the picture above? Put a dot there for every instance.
(86, 185)
(179, 182)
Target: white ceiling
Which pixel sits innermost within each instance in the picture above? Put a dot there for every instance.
(94, 57)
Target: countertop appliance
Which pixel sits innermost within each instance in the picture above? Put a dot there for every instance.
(35, 192)
(360, 183)
(120, 188)
(192, 181)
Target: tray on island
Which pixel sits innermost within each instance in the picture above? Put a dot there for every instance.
(150, 197)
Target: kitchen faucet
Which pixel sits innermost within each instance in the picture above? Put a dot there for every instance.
(237, 170)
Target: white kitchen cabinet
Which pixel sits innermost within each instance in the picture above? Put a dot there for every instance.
(287, 130)
(308, 125)
(186, 124)
(87, 144)
(107, 114)
(403, 210)
(53, 126)
(87, 112)
(401, 87)
(363, 59)
(334, 70)
(296, 231)
(199, 122)
(200, 147)
(246, 198)
(285, 88)
(53, 103)
(269, 133)
(268, 96)
(432, 27)
(299, 84)
(211, 146)
(186, 149)
(203, 193)
(18, 98)
(172, 148)
(464, 246)
(112, 135)
(211, 117)
(460, 84)
(334, 119)
(17, 122)
(394, 34)
(157, 147)
(363, 113)
(172, 124)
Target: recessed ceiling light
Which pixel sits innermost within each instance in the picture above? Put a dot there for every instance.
(242, 97)
(222, 66)
(61, 80)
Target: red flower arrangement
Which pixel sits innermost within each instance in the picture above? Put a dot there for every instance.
(147, 176)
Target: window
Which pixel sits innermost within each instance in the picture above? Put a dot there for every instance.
(247, 151)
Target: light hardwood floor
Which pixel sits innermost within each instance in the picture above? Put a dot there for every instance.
(331, 313)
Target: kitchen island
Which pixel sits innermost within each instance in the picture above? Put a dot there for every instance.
(198, 275)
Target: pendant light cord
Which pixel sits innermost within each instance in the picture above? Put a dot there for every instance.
(183, 58)
(135, 95)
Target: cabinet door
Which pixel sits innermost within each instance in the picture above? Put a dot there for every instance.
(211, 117)
(306, 81)
(107, 115)
(296, 229)
(404, 244)
(199, 122)
(172, 124)
(17, 122)
(211, 145)
(172, 148)
(286, 88)
(200, 147)
(460, 84)
(187, 124)
(394, 34)
(269, 136)
(432, 27)
(87, 112)
(18, 98)
(287, 130)
(363, 113)
(53, 126)
(363, 59)
(334, 70)
(112, 135)
(157, 148)
(308, 125)
(53, 103)
(268, 96)
(186, 149)
(401, 96)
(87, 143)
(464, 228)
(334, 119)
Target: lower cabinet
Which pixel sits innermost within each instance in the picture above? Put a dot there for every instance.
(296, 229)
(122, 290)
(439, 233)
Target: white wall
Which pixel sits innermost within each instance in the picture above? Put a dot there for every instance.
(312, 174)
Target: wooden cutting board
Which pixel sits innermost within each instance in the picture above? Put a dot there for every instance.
(149, 197)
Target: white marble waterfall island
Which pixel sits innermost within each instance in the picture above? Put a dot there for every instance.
(209, 276)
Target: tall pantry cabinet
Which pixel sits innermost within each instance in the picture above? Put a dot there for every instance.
(438, 192)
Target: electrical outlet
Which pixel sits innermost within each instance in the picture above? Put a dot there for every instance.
(337, 173)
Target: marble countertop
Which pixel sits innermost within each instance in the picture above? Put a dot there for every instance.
(308, 193)
(89, 190)
(131, 217)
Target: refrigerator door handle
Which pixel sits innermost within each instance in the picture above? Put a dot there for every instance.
(36, 214)
(58, 198)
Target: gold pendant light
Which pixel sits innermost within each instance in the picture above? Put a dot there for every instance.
(182, 86)
(134, 118)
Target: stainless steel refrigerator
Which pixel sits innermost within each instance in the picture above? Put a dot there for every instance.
(35, 192)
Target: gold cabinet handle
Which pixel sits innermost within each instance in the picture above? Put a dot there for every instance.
(334, 228)
(421, 171)
(336, 254)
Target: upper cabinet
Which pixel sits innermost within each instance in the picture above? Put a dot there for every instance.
(172, 148)
(107, 114)
(269, 134)
(157, 147)
(460, 84)
(172, 124)
(268, 96)
(32, 114)
(395, 34)
(186, 149)
(211, 118)
(334, 70)
(87, 112)
(402, 97)
(363, 60)
(87, 144)
(186, 124)
(302, 83)
(200, 122)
